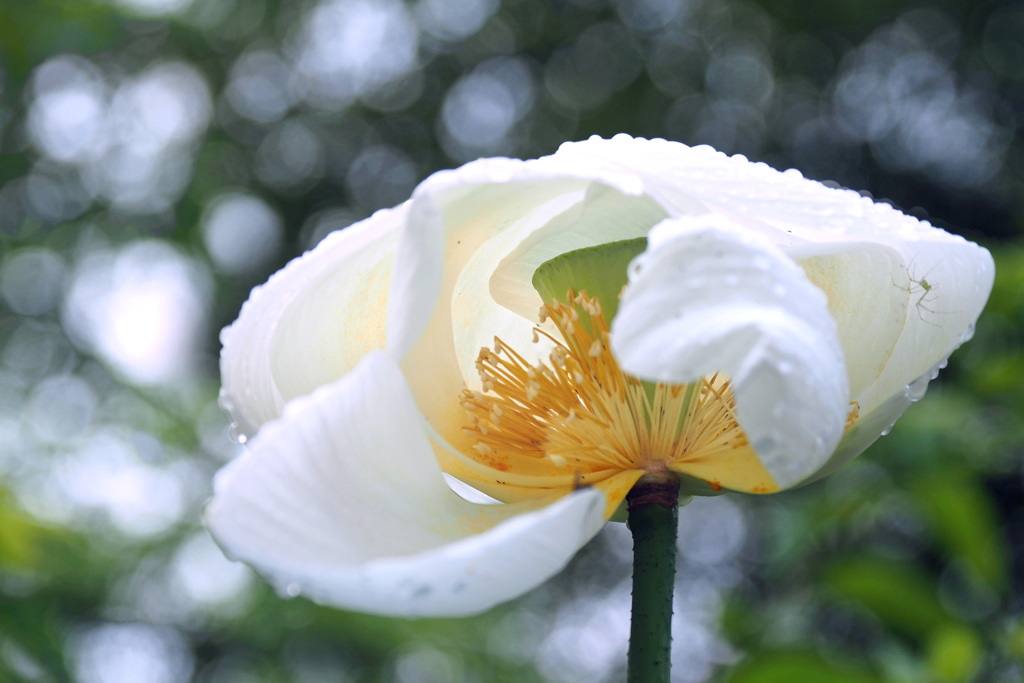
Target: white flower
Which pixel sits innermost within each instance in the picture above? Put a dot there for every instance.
(780, 327)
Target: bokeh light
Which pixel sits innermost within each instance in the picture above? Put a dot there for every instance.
(141, 308)
(241, 232)
(345, 49)
(118, 653)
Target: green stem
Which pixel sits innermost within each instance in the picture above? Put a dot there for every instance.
(653, 516)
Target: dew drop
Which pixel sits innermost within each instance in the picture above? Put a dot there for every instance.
(292, 590)
(236, 435)
(224, 400)
(915, 390)
(227, 404)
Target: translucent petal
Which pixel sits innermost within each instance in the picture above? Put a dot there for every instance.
(709, 297)
(905, 294)
(342, 500)
(833, 233)
(311, 322)
(462, 225)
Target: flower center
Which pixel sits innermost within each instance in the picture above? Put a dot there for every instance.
(582, 414)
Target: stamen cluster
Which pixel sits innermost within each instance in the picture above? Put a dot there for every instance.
(580, 412)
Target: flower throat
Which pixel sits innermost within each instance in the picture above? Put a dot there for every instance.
(579, 411)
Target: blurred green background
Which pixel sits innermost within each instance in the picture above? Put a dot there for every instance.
(162, 157)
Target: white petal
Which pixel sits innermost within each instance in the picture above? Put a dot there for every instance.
(869, 311)
(931, 324)
(462, 225)
(709, 297)
(604, 215)
(808, 219)
(871, 260)
(958, 276)
(311, 322)
(342, 500)
(864, 432)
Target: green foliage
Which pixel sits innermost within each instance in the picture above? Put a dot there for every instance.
(29, 33)
(904, 598)
(955, 653)
(965, 523)
(785, 667)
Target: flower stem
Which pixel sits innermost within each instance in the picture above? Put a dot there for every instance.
(653, 515)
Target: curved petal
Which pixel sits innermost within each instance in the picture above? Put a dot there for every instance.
(461, 226)
(863, 432)
(808, 219)
(455, 213)
(604, 215)
(311, 322)
(943, 287)
(708, 297)
(905, 294)
(869, 312)
(342, 500)
(898, 320)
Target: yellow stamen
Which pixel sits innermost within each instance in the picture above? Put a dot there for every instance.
(853, 415)
(581, 413)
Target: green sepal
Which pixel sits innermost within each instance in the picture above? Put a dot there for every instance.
(599, 271)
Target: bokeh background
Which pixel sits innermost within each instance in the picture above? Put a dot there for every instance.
(161, 157)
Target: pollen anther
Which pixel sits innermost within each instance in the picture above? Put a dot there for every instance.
(582, 409)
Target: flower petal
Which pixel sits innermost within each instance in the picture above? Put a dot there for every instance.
(869, 312)
(872, 260)
(311, 322)
(809, 220)
(342, 500)
(936, 291)
(709, 297)
(604, 215)
(461, 226)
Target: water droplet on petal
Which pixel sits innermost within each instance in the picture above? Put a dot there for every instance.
(292, 590)
(915, 390)
(227, 404)
(236, 435)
